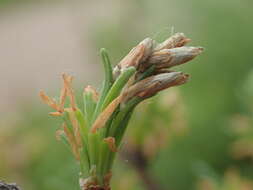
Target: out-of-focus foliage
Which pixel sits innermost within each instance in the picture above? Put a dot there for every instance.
(231, 181)
(31, 156)
(217, 103)
(156, 123)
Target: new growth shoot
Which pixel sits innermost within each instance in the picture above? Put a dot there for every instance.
(94, 131)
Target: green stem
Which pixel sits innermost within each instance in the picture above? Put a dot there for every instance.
(104, 153)
(83, 127)
(109, 161)
(116, 124)
(117, 130)
(84, 134)
(94, 148)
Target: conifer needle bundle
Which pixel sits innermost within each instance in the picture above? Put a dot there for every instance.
(94, 131)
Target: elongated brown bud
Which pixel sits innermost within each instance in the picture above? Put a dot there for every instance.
(151, 85)
(138, 54)
(131, 59)
(167, 58)
(177, 40)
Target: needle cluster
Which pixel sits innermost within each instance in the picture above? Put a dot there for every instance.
(94, 131)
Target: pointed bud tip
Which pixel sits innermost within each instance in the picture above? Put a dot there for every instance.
(187, 40)
(103, 50)
(183, 79)
(198, 50)
(146, 41)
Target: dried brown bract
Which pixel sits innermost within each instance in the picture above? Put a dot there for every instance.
(153, 84)
(167, 58)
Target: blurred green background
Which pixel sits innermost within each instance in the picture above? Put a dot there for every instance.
(208, 122)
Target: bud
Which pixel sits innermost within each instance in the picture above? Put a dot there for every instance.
(148, 47)
(138, 54)
(131, 59)
(177, 40)
(167, 58)
(152, 85)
